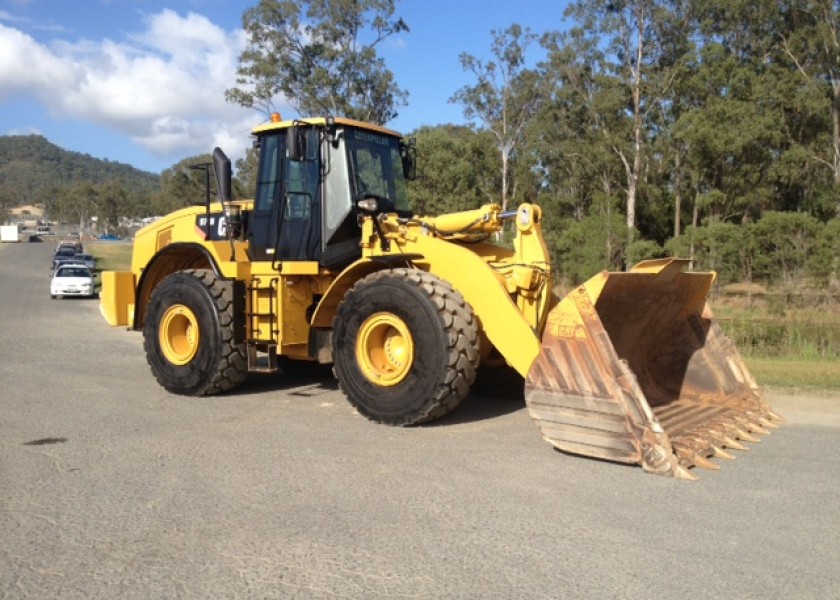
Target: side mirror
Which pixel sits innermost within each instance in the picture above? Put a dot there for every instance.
(221, 165)
(296, 143)
(408, 153)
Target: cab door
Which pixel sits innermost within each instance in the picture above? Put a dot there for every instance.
(285, 223)
(262, 226)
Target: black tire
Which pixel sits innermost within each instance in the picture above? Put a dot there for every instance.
(422, 312)
(201, 305)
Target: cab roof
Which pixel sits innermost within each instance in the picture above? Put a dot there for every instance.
(322, 121)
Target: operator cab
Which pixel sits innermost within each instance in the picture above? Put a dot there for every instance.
(311, 175)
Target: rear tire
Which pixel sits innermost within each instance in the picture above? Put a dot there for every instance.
(405, 346)
(189, 335)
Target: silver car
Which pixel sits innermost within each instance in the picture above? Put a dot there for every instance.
(84, 259)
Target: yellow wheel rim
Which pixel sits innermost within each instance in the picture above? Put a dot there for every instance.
(385, 349)
(179, 334)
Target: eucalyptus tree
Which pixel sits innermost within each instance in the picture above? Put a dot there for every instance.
(742, 112)
(575, 130)
(639, 63)
(321, 57)
(504, 97)
(79, 200)
(113, 203)
(811, 43)
(569, 147)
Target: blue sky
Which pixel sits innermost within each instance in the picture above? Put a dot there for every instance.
(142, 81)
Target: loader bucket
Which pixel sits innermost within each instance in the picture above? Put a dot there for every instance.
(634, 368)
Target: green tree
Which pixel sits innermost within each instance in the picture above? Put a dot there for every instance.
(580, 248)
(455, 170)
(824, 258)
(79, 202)
(729, 134)
(784, 241)
(321, 56)
(181, 185)
(7, 201)
(812, 45)
(569, 141)
(112, 204)
(245, 182)
(641, 62)
(505, 96)
(718, 246)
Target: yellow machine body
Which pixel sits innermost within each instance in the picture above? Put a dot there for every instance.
(630, 367)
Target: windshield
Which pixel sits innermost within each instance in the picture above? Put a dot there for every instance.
(376, 167)
(73, 272)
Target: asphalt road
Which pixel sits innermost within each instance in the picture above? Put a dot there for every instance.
(112, 488)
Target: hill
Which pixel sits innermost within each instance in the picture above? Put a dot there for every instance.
(31, 163)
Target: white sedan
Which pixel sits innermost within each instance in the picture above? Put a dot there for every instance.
(71, 280)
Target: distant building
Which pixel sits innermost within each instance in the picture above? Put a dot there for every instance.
(30, 211)
(28, 216)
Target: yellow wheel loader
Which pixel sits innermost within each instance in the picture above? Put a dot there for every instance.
(328, 264)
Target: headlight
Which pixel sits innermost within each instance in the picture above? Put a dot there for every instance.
(368, 205)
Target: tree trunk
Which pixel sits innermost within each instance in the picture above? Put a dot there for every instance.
(835, 128)
(500, 233)
(504, 181)
(608, 213)
(695, 217)
(677, 194)
(633, 179)
(835, 136)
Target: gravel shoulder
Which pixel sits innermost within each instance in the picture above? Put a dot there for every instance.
(806, 407)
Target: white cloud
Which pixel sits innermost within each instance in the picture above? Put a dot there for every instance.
(7, 16)
(163, 86)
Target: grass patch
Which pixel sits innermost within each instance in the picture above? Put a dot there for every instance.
(793, 373)
(798, 334)
(110, 256)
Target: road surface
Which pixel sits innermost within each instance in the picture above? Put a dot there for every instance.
(112, 488)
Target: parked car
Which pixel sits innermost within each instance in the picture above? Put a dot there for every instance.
(75, 246)
(108, 237)
(72, 280)
(62, 256)
(83, 259)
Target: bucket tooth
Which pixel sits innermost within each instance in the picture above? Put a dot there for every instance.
(681, 472)
(732, 444)
(690, 456)
(765, 422)
(743, 435)
(776, 417)
(705, 463)
(720, 453)
(685, 454)
(717, 434)
(753, 428)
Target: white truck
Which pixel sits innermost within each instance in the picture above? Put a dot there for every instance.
(9, 233)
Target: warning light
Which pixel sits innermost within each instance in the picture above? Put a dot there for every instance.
(275, 118)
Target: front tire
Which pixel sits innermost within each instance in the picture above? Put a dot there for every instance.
(189, 337)
(405, 346)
